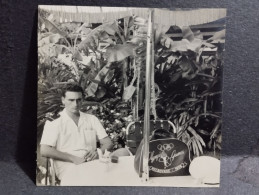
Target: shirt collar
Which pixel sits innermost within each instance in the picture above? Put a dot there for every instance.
(64, 114)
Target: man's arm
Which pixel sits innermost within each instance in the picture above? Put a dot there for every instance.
(104, 139)
(106, 143)
(51, 152)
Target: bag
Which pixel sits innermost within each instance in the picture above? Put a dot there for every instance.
(168, 156)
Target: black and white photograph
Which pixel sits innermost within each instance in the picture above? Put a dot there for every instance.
(129, 96)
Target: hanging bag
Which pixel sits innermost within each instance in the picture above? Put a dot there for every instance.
(168, 156)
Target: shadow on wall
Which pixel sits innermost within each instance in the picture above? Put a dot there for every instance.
(26, 143)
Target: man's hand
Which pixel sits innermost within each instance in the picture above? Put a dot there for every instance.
(77, 160)
(91, 155)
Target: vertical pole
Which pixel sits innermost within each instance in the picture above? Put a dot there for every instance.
(136, 97)
(153, 93)
(47, 173)
(137, 91)
(145, 175)
(124, 73)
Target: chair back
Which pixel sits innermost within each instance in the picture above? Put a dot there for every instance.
(52, 172)
(134, 131)
(50, 178)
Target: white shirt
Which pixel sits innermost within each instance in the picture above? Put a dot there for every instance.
(66, 136)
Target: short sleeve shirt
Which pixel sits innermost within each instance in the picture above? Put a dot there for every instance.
(66, 136)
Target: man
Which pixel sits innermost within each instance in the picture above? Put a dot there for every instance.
(71, 139)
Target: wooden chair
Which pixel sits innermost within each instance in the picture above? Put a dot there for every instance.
(51, 178)
(134, 131)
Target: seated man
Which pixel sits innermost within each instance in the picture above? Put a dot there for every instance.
(71, 139)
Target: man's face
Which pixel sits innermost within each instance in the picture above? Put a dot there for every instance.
(72, 101)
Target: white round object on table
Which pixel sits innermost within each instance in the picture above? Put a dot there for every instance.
(206, 169)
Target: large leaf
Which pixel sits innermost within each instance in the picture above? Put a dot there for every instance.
(197, 142)
(77, 55)
(110, 28)
(93, 86)
(67, 59)
(128, 92)
(208, 44)
(175, 76)
(137, 40)
(160, 30)
(47, 50)
(60, 49)
(215, 129)
(52, 50)
(119, 52)
(189, 42)
(187, 33)
(175, 45)
(90, 42)
(195, 45)
(99, 33)
(139, 21)
(128, 24)
(84, 32)
(53, 28)
(195, 39)
(218, 35)
(185, 64)
(196, 135)
(85, 28)
(53, 38)
(109, 76)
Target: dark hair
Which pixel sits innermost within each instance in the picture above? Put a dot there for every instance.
(72, 87)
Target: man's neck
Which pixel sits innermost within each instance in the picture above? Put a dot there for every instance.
(73, 115)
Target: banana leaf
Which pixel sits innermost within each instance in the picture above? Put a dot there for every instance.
(53, 28)
(119, 52)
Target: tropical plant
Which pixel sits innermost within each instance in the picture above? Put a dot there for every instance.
(190, 85)
(186, 88)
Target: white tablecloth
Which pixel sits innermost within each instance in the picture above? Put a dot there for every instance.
(96, 173)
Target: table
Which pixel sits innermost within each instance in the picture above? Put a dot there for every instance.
(96, 173)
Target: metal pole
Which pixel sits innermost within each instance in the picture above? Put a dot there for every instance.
(145, 175)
